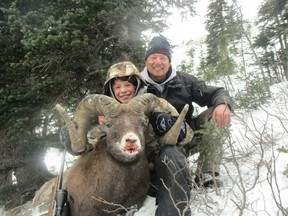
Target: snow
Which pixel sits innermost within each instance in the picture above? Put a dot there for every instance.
(252, 169)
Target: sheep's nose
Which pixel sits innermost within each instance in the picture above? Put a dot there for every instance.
(131, 145)
(130, 141)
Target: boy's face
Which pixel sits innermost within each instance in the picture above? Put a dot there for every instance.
(124, 91)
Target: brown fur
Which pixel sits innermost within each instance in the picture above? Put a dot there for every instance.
(89, 181)
(108, 179)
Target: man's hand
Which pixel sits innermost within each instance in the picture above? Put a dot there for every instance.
(222, 115)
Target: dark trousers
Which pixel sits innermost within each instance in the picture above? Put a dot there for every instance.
(172, 179)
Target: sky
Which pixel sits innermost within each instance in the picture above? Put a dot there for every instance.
(193, 28)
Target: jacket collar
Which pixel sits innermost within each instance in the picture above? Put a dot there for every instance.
(159, 86)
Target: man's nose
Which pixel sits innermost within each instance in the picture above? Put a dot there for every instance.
(159, 60)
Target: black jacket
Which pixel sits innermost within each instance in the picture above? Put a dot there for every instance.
(185, 88)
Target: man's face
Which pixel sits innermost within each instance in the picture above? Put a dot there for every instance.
(158, 66)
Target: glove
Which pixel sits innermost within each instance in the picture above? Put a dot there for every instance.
(162, 123)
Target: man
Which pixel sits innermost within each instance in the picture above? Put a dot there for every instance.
(180, 89)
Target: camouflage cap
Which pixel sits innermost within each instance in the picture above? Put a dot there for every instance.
(122, 69)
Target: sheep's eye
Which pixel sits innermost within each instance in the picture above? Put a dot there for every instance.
(108, 125)
(143, 124)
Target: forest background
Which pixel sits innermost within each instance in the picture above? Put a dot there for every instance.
(59, 51)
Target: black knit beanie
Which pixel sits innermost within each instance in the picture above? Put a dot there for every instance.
(159, 44)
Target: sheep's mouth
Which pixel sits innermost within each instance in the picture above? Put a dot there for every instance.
(131, 148)
(131, 144)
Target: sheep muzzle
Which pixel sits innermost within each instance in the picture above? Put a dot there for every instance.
(131, 144)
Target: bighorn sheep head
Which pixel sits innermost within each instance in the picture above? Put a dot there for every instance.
(125, 123)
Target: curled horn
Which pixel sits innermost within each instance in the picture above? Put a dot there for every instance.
(89, 108)
(172, 135)
(73, 133)
(151, 103)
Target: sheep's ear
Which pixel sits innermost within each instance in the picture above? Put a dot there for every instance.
(96, 133)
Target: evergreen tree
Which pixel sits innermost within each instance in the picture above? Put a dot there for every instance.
(223, 33)
(59, 51)
(272, 39)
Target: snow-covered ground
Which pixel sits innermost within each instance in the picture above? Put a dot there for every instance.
(252, 169)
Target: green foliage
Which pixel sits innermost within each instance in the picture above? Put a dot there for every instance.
(7, 194)
(284, 150)
(272, 38)
(224, 32)
(253, 95)
(51, 49)
(286, 171)
(226, 67)
(187, 66)
(57, 52)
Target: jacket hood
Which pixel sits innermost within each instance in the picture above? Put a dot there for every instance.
(159, 86)
(124, 69)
